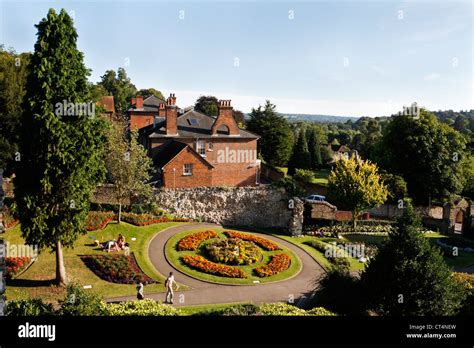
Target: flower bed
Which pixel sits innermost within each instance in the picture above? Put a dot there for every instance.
(234, 251)
(97, 220)
(278, 263)
(148, 219)
(203, 265)
(121, 269)
(192, 242)
(323, 248)
(264, 243)
(15, 265)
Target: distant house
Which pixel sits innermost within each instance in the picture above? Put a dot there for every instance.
(341, 151)
(107, 102)
(191, 149)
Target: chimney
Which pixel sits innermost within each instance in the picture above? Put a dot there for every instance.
(225, 118)
(162, 110)
(171, 115)
(139, 100)
(134, 101)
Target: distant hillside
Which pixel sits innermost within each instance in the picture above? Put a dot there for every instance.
(319, 118)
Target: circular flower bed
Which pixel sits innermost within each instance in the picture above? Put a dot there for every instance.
(234, 251)
(230, 257)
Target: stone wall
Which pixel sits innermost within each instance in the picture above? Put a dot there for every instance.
(238, 206)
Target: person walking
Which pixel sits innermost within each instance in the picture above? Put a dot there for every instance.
(140, 294)
(169, 288)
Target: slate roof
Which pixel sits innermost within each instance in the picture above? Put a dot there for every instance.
(152, 103)
(165, 153)
(201, 129)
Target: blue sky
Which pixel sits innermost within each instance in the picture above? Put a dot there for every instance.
(328, 57)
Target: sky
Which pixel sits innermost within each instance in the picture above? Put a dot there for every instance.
(346, 58)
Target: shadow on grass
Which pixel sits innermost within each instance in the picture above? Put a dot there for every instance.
(30, 283)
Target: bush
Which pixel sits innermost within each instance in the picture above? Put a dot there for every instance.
(467, 282)
(280, 309)
(320, 312)
(79, 302)
(145, 307)
(340, 292)
(290, 185)
(304, 175)
(233, 310)
(97, 220)
(28, 308)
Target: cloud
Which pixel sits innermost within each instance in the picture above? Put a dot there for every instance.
(432, 77)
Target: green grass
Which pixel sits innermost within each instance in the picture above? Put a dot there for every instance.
(462, 260)
(376, 240)
(355, 265)
(174, 257)
(321, 177)
(37, 281)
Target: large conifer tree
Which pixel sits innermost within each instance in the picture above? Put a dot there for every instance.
(61, 156)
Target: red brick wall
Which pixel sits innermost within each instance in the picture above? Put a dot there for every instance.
(142, 119)
(202, 173)
(225, 174)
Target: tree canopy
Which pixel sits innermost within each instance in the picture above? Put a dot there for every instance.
(120, 86)
(276, 142)
(61, 155)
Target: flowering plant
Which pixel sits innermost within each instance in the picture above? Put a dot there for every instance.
(16, 265)
(264, 243)
(192, 241)
(204, 265)
(277, 264)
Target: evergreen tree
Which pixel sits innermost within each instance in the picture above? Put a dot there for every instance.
(61, 155)
(409, 276)
(314, 149)
(276, 136)
(300, 158)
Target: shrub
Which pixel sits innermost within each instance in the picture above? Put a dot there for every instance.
(148, 219)
(467, 282)
(264, 243)
(277, 264)
(145, 307)
(290, 185)
(79, 302)
(304, 175)
(320, 312)
(232, 310)
(28, 308)
(280, 309)
(203, 265)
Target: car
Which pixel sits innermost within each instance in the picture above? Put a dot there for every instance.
(315, 198)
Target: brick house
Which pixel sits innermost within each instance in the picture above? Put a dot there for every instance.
(107, 103)
(340, 151)
(142, 113)
(191, 149)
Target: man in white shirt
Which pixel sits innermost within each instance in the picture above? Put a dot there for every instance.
(169, 288)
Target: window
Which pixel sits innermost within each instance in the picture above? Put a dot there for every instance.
(193, 122)
(188, 169)
(201, 147)
(210, 146)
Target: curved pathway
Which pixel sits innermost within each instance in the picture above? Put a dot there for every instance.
(299, 287)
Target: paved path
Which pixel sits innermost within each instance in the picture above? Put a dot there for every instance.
(300, 287)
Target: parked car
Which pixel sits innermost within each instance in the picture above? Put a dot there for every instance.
(315, 198)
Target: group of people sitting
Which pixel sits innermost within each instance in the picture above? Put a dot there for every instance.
(113, 245)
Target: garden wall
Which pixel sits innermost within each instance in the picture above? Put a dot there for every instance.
(238, 206)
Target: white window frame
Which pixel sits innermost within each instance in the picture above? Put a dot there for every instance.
(188, 169)
(201, 147)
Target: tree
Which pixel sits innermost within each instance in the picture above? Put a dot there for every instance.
(128, 166)
(276, 137)
(427, 153)
(13, 72)
(396, 185)
(300, 158)
(207, 105)
(145, 93)
(61, 155)
(239, 117)
(409, 276)
(357, 184)
(314, 149)
(120, 86)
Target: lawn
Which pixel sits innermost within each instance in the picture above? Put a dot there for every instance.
(463, 259)
(37, 281)
(321, 177)
(355, 265)
(174, 257)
